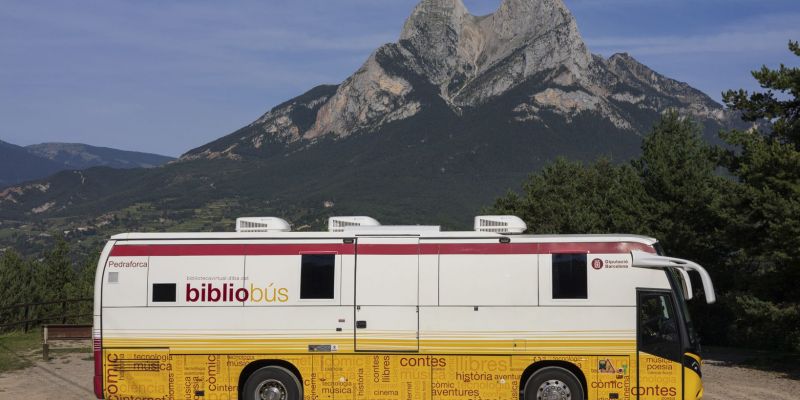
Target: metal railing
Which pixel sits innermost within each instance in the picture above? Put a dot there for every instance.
(30, 315)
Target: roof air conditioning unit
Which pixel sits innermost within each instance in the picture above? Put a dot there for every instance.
(338, 224)
(262, 224)
(500, 224)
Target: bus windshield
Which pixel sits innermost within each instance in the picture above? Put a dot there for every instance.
(677, 280)
(679, 288)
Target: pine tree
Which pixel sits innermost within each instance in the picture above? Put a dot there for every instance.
(678, 172)
(765, 221)
(15, 273)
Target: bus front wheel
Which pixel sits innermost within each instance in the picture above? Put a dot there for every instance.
(272, 383)
(553, 383)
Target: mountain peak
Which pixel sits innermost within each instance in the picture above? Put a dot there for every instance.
(545, 29)
(528, 55)
(444, 37)
(454, 47)
(434, 16)
(523, 17)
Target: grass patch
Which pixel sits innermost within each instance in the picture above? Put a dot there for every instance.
(17, 348)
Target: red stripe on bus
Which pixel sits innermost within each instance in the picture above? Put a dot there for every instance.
(594, 248)
(293, 249)
(503, 248)
(535, 248)
(129, 251)
(228, 249)
(488, 248)
(197, 250)
(376, 249)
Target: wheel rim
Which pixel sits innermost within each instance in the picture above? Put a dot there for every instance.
(553, 389)
(271, 389)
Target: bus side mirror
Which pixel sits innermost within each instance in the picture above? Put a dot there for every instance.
(647, 260)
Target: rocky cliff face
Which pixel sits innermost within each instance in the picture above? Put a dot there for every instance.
(445, 54)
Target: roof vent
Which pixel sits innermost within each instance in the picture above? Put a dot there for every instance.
(337, 224)
(499, 224)
(262, 224)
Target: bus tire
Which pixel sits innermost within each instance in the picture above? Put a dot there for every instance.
(272, 383)
(553, 383)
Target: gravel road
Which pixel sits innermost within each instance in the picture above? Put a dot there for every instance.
(728, 375)
(69, 377)
(726, 382)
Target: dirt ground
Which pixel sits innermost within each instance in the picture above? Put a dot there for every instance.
(727, 375)
(66, 376)
(730, 374)
(726, 382)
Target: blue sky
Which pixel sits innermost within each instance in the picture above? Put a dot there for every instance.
(167, 76)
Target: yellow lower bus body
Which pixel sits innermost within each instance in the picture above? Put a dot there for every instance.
(137, 373)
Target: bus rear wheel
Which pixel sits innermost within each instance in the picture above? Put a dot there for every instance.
(272, 383)
(553, 383)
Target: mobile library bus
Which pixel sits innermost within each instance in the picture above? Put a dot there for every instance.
(366, 311)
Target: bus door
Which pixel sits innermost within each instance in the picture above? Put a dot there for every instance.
(386, 306)
(659, 349)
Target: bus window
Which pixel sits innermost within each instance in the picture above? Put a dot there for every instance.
(658, 325)
(317, 275)
(164, 292)
(570, 276)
